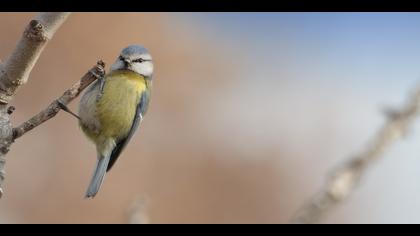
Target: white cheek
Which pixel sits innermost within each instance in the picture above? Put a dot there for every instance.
(145, 68)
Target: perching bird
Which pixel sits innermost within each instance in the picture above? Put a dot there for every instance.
(113, 107)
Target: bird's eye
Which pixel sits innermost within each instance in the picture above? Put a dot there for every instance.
(121, 58)
(140, 60)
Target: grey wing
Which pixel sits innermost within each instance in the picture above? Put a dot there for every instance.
(140, 111)
(87, 112)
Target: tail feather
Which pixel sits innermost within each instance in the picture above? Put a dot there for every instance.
(98, 177)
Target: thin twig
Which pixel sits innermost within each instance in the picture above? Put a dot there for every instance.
(346, 178)
(69, 95)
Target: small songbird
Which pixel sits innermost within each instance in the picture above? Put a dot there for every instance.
(113, 107)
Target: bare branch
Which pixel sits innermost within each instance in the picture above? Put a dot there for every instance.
(2, 174)
(69, 95)
(16, 69)
(346, 178)
(5, 142)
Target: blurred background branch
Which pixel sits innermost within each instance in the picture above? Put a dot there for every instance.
(16, 69)
(345, 178)
(137, 212)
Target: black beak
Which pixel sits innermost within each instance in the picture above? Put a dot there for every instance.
(126, 62)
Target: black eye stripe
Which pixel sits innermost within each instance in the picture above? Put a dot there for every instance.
(140, 60)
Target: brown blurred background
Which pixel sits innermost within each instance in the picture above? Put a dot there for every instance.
(219, 144)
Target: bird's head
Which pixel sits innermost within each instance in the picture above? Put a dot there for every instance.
(135, 58)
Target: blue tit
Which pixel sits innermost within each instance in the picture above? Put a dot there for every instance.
(113, 107)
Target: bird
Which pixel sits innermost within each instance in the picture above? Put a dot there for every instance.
(112, 108)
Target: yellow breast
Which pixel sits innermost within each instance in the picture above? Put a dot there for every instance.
(117, 106)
